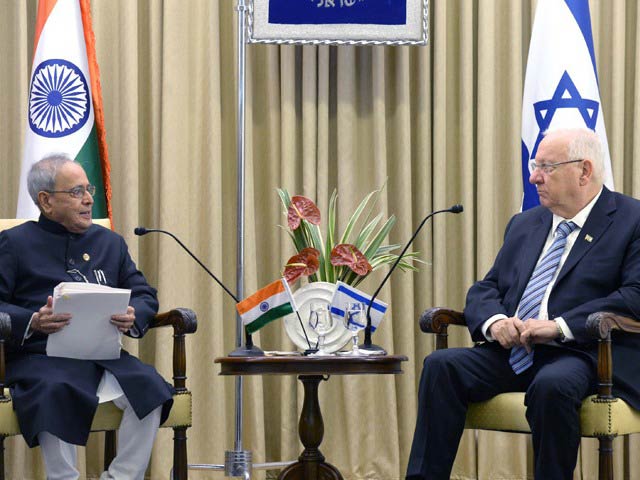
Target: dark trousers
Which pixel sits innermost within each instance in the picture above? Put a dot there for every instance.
(555, 386)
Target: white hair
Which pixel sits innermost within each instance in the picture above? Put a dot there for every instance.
(42, 175)
(584, 144)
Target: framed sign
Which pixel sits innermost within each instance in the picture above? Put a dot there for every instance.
(339, 22)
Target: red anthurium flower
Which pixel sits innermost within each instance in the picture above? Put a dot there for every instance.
(310, 251)
(302, 207)
(349, 255)
(304, 263)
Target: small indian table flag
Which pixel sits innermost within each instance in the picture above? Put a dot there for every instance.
(267, 304)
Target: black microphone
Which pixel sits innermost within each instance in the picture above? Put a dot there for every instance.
(367, 332)
(143, 231)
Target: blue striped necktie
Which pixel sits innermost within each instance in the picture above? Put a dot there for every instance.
(531, 299)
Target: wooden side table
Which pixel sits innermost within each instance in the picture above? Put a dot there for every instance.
(311, 371)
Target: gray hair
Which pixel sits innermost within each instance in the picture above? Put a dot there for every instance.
(42, 175)
(584, 144)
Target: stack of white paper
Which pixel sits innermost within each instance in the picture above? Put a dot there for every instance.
(90, 335)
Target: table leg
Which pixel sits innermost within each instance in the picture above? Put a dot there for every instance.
(311, 464)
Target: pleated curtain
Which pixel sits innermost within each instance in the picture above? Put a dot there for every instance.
(435, 125)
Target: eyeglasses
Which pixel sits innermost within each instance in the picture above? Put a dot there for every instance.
(77, 192)
(548, 167)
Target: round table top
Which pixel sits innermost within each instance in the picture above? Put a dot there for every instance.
(311, 365)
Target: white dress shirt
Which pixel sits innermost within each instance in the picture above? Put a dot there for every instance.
(579, 220)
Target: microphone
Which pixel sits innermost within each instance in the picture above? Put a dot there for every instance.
(140, 231)
(367, 332)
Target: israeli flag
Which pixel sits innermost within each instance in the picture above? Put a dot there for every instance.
(561, 83)
(346, 293)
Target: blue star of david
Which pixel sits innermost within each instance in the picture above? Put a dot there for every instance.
(565, 96)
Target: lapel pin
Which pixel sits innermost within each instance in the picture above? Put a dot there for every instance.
(588, 238)
(86, 257)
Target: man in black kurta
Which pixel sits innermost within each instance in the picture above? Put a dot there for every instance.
(56, 398)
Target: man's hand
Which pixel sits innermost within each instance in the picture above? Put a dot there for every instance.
(124, 322)
(538, 331)
(45, 321)
(507, 331)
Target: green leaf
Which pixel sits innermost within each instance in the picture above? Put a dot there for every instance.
(284, 198)
(387, 248)
(355, 216)
(364, 235)
(315, 240)
(291, 236)
(331, 227)
(389, 259)
(373, 246)
(298, 236)
(375, 197)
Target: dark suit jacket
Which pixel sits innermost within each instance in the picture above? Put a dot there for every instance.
(601, 273)
(58, 394)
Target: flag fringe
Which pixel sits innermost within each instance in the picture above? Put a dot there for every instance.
(96, 89)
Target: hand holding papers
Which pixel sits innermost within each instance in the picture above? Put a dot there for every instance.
(90, 335)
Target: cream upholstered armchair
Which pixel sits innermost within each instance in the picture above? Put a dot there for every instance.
(602, 416)
(108, 416)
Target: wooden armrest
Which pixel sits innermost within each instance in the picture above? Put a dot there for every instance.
(183, 320)
(437, 320)
(600, 325)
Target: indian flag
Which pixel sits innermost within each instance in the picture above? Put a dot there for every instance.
(267, 304)
(65, 102)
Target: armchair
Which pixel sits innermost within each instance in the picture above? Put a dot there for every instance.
(108, 416)
(602, 416)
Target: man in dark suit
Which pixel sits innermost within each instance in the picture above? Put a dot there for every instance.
(578, 253)
(56, 398)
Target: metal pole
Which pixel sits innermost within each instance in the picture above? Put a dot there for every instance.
(244, 347)
(238, 462)
(240, 202)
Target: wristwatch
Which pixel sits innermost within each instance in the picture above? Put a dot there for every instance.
(561, 336)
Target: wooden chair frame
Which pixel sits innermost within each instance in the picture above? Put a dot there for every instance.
(599, 325)
(183, 321)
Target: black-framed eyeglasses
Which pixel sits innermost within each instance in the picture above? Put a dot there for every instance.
(77, 192)
(549, 167)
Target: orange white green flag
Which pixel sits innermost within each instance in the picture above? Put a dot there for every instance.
(65, 103)
(267, 304)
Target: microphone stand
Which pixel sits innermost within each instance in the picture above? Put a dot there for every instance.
(249, 349)
(369, 347)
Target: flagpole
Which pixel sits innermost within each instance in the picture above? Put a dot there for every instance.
(246, 348)
(238, 462)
